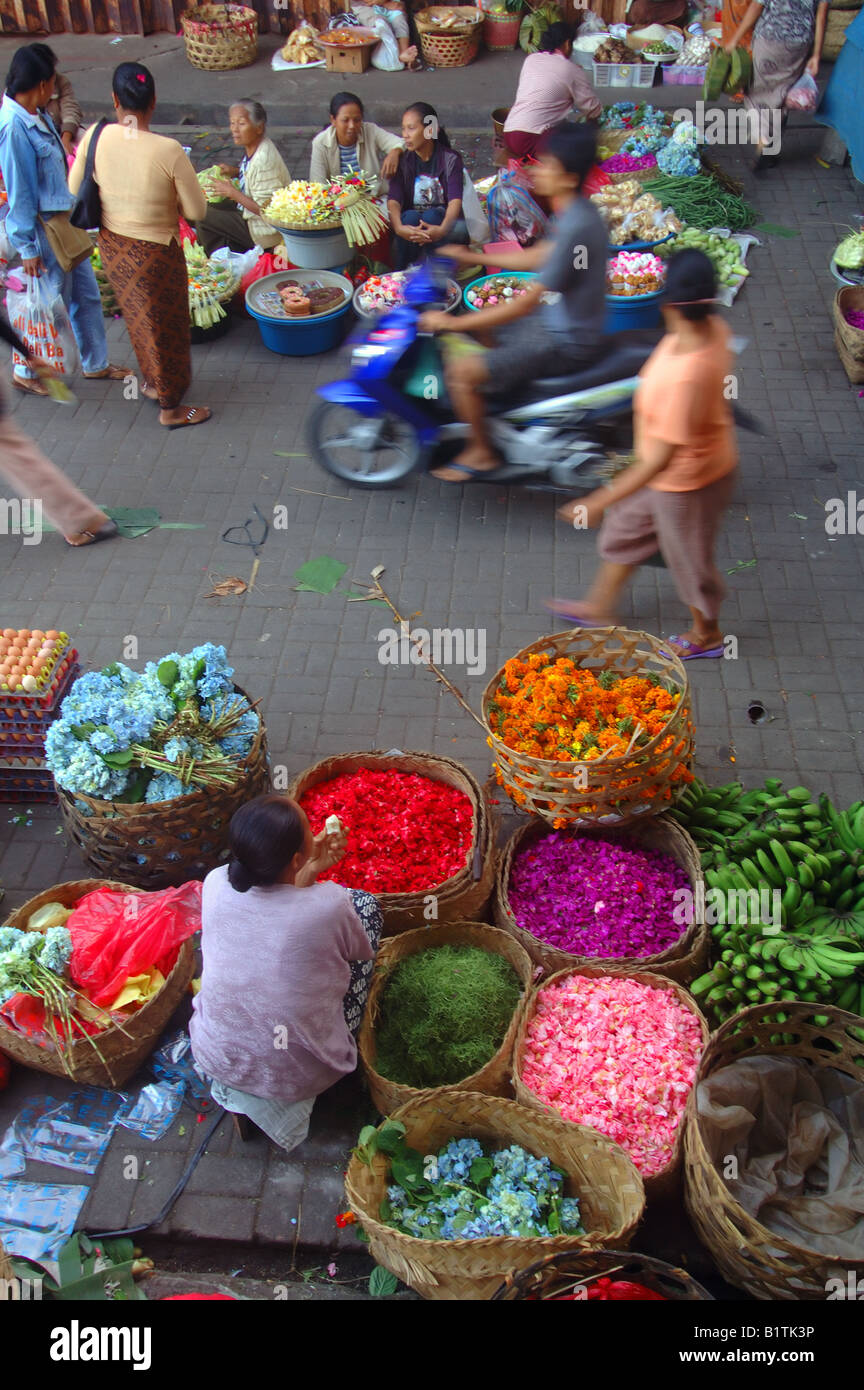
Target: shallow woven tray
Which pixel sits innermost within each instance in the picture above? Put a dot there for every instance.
(609, 790)
(598, 1172)
(494, 1078)
(682, 961)
(660, 1185)
(747, 1254)
(464, 896)
(556, 1276)
(123, 1054)
(177, 840)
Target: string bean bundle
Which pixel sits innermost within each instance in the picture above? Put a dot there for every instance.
(701, 202)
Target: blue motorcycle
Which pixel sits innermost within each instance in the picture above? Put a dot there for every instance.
(391, 417)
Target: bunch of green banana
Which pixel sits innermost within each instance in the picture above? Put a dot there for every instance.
(756, 968)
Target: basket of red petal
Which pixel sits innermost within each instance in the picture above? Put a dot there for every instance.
(591, 726)
(443, 1010)
(419, 834)
(107, 967)
(456, 1189)
(619, 1053)
(617, 900)
(848, 313)
(605, 1276)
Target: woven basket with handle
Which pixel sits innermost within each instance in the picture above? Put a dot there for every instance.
(465, 895)
(682, 961)
(598, 1172)
(659, 1185)
(750, 1256)
(123, 1052)
(220, 37)
(160, 844)
(607, 790)
(494, 1078)
(560, 1276)
(452, 47)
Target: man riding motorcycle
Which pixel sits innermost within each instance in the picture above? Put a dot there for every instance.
(549, 339)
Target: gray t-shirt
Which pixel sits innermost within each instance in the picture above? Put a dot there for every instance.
(576, 269)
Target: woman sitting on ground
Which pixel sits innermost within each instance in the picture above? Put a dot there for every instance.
(237, 222)
(425, 195)
(287, 967)
(550, 86)
(352, 145)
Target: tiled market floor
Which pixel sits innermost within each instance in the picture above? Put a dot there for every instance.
(472, 557)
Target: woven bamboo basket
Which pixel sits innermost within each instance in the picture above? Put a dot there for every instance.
(664, 1183)
(449, 48)
(123, 1052)
(161, 844)
(641, 175)
(597, 1171)
(494, 1078)
(464, 896)
(747, 1254)
(608, 790)
(219, 37)
(558, 1276)
(682, 961)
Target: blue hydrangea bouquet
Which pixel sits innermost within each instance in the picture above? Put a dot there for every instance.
(131, 737)
(37, 963)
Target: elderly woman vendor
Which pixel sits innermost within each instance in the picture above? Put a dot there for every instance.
(237, 223)
(287, 965)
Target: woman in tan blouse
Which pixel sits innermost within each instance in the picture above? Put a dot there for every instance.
(145, 183)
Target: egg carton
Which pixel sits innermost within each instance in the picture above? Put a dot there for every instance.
(46, 676)
(18, 742)
(20, 708)
(22, 780)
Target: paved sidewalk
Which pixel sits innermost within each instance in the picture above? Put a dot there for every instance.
(467, 557)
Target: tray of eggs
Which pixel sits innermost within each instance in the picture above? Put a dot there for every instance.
(29, 659)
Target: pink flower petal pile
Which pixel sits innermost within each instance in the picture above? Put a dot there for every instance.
(616, 1055)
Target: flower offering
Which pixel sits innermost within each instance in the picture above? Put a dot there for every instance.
(597, 897)
(406, 833)
(617, 1055)
(635, 272)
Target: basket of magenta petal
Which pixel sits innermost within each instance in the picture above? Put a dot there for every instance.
(618, 900)
(150, 766)
(91, 972)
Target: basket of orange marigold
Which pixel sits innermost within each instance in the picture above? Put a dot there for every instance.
(591, 726)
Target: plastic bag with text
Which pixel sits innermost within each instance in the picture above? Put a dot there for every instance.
(39, 317)
(118, 935)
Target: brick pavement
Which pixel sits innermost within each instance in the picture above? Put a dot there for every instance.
(460, 557)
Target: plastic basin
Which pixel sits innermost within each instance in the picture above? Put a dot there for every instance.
(300, 337)
(318, 248)
(511, 274)
(632, 311)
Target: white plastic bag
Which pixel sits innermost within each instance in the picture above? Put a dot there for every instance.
(386, 56)
(240, 262)
(39, 317)
(804, 96)
(472, 211)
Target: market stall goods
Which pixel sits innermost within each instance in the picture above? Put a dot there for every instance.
(723, 252)
(598, 1175)
(378, 293)
(633, 215)
(701, 201)
(29, 658)
(74, 1037)
(390, 805)
(444, 1006)
(634, 272)
(765, 1262)
(206, 178)
(618, 1053)
(590, 726)
(574, 899)
(211, 284)
(602, 1275)
(346, 202)
(497, 289)
(301, 46)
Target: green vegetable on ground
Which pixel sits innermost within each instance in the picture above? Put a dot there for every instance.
(443, 1015)
(701, 202)
(723, 252)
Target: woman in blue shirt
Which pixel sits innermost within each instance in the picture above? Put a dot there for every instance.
(33, 161)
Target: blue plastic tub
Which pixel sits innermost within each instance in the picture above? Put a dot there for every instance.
(301, 337)
(475, 284)
(632, 311)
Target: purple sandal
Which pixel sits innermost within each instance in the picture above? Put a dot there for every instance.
(572, 617)
(690, 652)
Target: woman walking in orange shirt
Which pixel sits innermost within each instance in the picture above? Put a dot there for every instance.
(673, 497)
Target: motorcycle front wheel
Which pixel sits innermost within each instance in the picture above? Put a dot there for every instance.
(366, 452)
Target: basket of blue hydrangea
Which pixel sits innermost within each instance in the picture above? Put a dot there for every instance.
(456, 1190)
(150, 766)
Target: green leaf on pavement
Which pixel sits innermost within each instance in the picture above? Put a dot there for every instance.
(382, 1283)
(774, 229)
(320, 576)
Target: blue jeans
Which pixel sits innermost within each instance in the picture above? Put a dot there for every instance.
(80, 294)
(406, 252)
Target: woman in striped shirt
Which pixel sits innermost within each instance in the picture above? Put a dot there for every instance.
(351, 145)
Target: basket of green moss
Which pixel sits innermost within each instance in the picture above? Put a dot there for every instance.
(443, 1010)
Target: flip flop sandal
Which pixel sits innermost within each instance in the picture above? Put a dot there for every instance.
(571, 616)
(690, 652)
(106, 532)
(192, 418)
(30, 385)
(468, 472)
(110, 373)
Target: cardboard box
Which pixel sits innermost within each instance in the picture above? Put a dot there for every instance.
(353, 57)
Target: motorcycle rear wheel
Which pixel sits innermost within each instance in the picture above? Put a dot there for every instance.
(365, 452)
